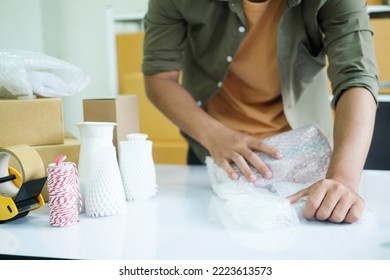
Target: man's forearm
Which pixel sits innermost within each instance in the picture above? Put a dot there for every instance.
(177, 104)
(354, 123)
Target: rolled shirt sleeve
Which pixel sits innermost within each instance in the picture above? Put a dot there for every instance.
(165, 35)
(349, 46)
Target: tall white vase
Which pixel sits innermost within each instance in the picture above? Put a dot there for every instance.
(105, 195)
(137, 167)
(94, 136)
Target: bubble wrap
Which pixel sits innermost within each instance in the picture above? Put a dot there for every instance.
(105, 194)
(262, 204)
(306, 155)
(255, 210)
(267, 209)
(248, 236)
(24, 74)
(137, 168)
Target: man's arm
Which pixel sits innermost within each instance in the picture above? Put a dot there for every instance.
(336, 197)
(224, 144)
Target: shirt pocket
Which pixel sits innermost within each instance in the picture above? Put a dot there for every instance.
(307, 66)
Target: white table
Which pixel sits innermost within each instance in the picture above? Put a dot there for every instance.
(185, 220)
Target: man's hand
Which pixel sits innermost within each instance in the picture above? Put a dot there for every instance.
(227, 146)
(332, 201)
(336, 199)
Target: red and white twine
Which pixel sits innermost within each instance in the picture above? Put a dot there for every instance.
(63, 188)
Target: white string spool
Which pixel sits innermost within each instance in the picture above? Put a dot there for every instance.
(137, 167)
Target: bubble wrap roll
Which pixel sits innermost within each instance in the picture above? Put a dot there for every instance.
(306, 156)
(26, 74)
(137, 169)
(105, 195)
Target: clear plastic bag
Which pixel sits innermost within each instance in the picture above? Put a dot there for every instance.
(26, 74)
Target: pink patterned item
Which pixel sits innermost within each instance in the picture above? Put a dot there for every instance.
(63, 193)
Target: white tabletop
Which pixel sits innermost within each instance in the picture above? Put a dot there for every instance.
(186, 220)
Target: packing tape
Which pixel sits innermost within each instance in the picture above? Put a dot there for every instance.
(21, 159)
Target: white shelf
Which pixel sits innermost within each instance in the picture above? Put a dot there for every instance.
(136, 17)
(378, 9)
(384, 98)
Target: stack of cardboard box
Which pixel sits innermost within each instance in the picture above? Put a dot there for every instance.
(169, 146)
(122, 110)
(39, 123)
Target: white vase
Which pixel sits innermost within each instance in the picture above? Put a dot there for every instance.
(105, 195)
(93, 136)
(137, 167)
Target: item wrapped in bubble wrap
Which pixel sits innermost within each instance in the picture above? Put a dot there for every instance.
(26, 74)
(306, 156)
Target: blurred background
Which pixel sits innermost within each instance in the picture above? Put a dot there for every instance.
(104, 38)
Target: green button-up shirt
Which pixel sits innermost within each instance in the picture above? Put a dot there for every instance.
(197, 37)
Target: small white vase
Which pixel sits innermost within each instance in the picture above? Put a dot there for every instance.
(93, 136)
(137, 167)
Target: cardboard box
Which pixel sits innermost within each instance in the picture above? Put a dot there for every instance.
(31, 122)
(123, 110)
(49, 153)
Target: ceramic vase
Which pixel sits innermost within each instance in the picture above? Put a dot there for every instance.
(105, 195)
(137, 167)
(93, 136)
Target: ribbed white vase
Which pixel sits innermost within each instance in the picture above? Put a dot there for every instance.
(105, 195)
(93, 136)
(137, 167)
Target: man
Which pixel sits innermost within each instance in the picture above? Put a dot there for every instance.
(255, 68)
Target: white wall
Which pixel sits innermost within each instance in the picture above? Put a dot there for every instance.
(72, 30)
(76, 31)
(20, 25)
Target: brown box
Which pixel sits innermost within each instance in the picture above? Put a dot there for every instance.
(49, 153)
(123, 110)
(31, 122)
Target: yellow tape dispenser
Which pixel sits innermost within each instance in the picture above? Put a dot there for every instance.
(22, 177)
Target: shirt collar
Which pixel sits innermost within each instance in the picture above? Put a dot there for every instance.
(292, 3)
(289, 3)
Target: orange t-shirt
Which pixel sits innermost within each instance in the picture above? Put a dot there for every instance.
(250, 99)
